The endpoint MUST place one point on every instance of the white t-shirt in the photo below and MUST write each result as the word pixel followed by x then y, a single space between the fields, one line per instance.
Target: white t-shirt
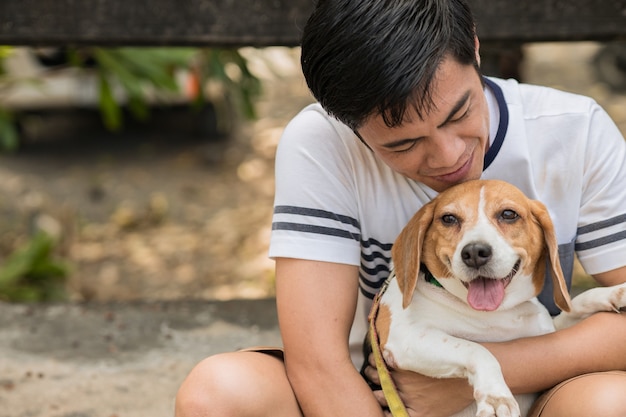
pixel 337 202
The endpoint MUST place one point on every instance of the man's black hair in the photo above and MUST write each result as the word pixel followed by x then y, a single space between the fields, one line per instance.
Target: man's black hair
pixel 367 57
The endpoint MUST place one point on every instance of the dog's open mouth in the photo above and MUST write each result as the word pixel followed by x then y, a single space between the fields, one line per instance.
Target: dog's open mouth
pixel 486 294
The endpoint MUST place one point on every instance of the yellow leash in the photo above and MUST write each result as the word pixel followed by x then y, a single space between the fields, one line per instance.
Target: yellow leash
pixel 396 406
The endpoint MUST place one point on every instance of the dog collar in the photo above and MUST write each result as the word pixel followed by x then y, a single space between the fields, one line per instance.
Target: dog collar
pixel 430 277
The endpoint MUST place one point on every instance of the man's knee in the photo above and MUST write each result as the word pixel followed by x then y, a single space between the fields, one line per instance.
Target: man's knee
pixel 207 388
pixel 606 396
pixel 600 394
pixel 235 384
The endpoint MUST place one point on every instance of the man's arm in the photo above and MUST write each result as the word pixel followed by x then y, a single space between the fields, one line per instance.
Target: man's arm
pixel 316 306
pixel 614 277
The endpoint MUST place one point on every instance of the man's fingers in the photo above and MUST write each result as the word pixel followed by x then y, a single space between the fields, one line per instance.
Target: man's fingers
pixel 380 397
pixel 371 360
pixel 372 375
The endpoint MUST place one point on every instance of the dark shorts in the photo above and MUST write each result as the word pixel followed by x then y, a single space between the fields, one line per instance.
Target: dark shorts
pixel 274 351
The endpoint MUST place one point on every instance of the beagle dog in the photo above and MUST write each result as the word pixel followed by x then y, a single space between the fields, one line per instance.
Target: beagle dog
pixel 467 268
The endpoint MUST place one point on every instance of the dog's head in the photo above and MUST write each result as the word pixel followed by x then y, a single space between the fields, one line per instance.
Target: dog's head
pixel 485 242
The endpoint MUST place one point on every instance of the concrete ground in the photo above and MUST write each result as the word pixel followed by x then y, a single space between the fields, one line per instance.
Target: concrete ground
pixel 116 360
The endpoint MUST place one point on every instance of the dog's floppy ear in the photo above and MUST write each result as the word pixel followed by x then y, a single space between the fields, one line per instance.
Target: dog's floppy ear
pixel 407 252
pixel 561 295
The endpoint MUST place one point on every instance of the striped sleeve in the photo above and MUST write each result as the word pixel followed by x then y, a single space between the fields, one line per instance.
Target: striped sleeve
pixel 314 234
pixel 601 234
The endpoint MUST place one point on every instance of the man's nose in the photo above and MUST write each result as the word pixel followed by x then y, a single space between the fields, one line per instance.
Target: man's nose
pixel 444 150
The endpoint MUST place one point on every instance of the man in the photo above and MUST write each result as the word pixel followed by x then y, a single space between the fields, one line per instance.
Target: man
pixel 404 114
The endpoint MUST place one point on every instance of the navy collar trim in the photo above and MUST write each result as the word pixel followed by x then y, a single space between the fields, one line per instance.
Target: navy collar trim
pixel 503 125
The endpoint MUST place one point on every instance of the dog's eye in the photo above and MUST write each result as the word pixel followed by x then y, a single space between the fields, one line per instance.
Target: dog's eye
pixel 449 219
pixel 509 215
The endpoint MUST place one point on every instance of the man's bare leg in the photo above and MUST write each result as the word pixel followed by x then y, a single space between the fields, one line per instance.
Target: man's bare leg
pixel 597 394
pixel 237 384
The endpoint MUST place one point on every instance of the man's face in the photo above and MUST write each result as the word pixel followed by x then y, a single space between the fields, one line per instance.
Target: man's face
pixel 449 145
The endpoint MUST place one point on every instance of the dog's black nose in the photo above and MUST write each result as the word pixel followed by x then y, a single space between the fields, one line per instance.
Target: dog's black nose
pixel 476 254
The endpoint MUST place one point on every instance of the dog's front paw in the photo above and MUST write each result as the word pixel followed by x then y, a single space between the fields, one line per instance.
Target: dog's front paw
pixel 600 299
pixel 593 301
pixel 617 297
pixel 499 403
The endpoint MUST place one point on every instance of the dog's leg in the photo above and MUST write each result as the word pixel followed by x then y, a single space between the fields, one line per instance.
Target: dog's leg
pixel 444 356
pixel 593 301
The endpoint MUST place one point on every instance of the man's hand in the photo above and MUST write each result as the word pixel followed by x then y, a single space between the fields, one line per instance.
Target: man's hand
pixel 424 396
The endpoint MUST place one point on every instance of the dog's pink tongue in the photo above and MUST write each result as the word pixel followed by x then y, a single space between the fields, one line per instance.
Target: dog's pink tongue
pixel 485 294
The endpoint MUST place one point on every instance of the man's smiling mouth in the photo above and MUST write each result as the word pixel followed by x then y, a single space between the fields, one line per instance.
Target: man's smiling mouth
pixel 458 175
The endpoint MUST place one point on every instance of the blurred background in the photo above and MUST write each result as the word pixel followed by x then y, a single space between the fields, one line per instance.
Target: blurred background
pixel 147 173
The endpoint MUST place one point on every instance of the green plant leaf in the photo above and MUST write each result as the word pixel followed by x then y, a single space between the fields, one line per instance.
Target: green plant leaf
pixel 113 64
pixel 138 108
pixel 155 65
pixel 31 274
pixel 5 51
pixel 20 293
pixel 109 109
pixel 21 261
pixel 140 72
pixel 9 138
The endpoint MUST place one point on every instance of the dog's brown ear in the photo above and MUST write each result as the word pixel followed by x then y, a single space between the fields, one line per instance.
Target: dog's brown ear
pixel 561 295
pixel 407 252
